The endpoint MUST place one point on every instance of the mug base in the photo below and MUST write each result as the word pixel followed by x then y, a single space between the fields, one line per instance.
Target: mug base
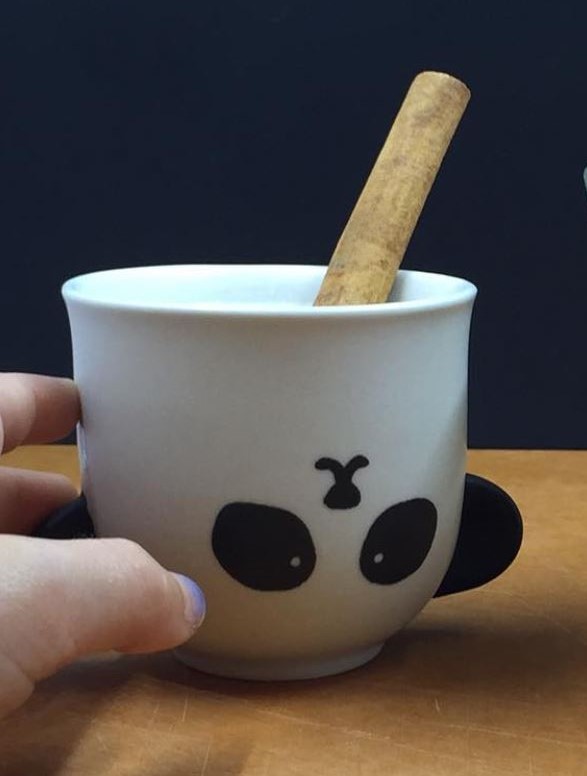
pixel 278 669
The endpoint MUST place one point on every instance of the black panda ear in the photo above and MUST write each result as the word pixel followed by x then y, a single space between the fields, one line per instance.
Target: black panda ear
pixel 489 538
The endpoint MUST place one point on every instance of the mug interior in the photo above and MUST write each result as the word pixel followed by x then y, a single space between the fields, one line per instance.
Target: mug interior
pixel 252 289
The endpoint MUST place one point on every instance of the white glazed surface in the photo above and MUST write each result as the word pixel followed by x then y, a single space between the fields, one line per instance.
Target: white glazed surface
pixel 204 385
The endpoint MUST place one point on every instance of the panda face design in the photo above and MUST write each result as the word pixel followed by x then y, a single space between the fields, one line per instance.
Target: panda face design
pixel 267 548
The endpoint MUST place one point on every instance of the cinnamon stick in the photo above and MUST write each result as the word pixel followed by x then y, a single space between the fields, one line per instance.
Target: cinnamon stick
pixel 366 259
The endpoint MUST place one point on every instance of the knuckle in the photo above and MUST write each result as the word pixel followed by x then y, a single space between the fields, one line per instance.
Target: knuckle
pixel 138 563
pixel 63 481
pixel 135 557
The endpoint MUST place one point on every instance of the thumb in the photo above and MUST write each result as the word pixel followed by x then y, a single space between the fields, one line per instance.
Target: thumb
pixel 60 600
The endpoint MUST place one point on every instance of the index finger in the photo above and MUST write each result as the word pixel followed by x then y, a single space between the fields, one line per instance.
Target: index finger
pixel 35 409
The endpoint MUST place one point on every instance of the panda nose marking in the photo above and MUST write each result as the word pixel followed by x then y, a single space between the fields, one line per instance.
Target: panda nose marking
pixel 344 494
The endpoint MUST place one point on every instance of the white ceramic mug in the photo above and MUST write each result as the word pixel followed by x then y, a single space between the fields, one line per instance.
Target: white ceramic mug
pixel 306 465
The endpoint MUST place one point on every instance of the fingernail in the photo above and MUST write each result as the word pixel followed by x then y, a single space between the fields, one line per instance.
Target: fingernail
pixel 194 601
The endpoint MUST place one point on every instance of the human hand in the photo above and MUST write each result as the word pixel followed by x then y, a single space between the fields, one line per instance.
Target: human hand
pixel 60 600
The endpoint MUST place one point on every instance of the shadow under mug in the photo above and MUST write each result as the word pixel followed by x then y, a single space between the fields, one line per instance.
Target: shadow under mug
pixel 306 465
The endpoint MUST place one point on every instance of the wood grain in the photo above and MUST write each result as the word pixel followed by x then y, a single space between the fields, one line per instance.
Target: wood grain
pixel 366 259
pixel 490 682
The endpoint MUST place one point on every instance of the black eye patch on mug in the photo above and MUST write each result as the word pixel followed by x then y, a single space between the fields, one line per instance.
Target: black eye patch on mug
pixel 262 547
pixel 398 541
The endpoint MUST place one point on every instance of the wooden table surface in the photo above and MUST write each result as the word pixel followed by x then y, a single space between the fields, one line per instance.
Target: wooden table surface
pixel 493 681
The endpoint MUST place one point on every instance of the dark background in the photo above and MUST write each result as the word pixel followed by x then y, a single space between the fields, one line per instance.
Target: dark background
pixel 140 132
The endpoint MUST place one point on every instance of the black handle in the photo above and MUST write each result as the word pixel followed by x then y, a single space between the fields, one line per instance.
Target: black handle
pixel 72 521
pixel 489 538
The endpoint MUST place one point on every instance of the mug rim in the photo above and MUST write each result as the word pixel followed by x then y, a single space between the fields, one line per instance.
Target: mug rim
pixel 81 289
